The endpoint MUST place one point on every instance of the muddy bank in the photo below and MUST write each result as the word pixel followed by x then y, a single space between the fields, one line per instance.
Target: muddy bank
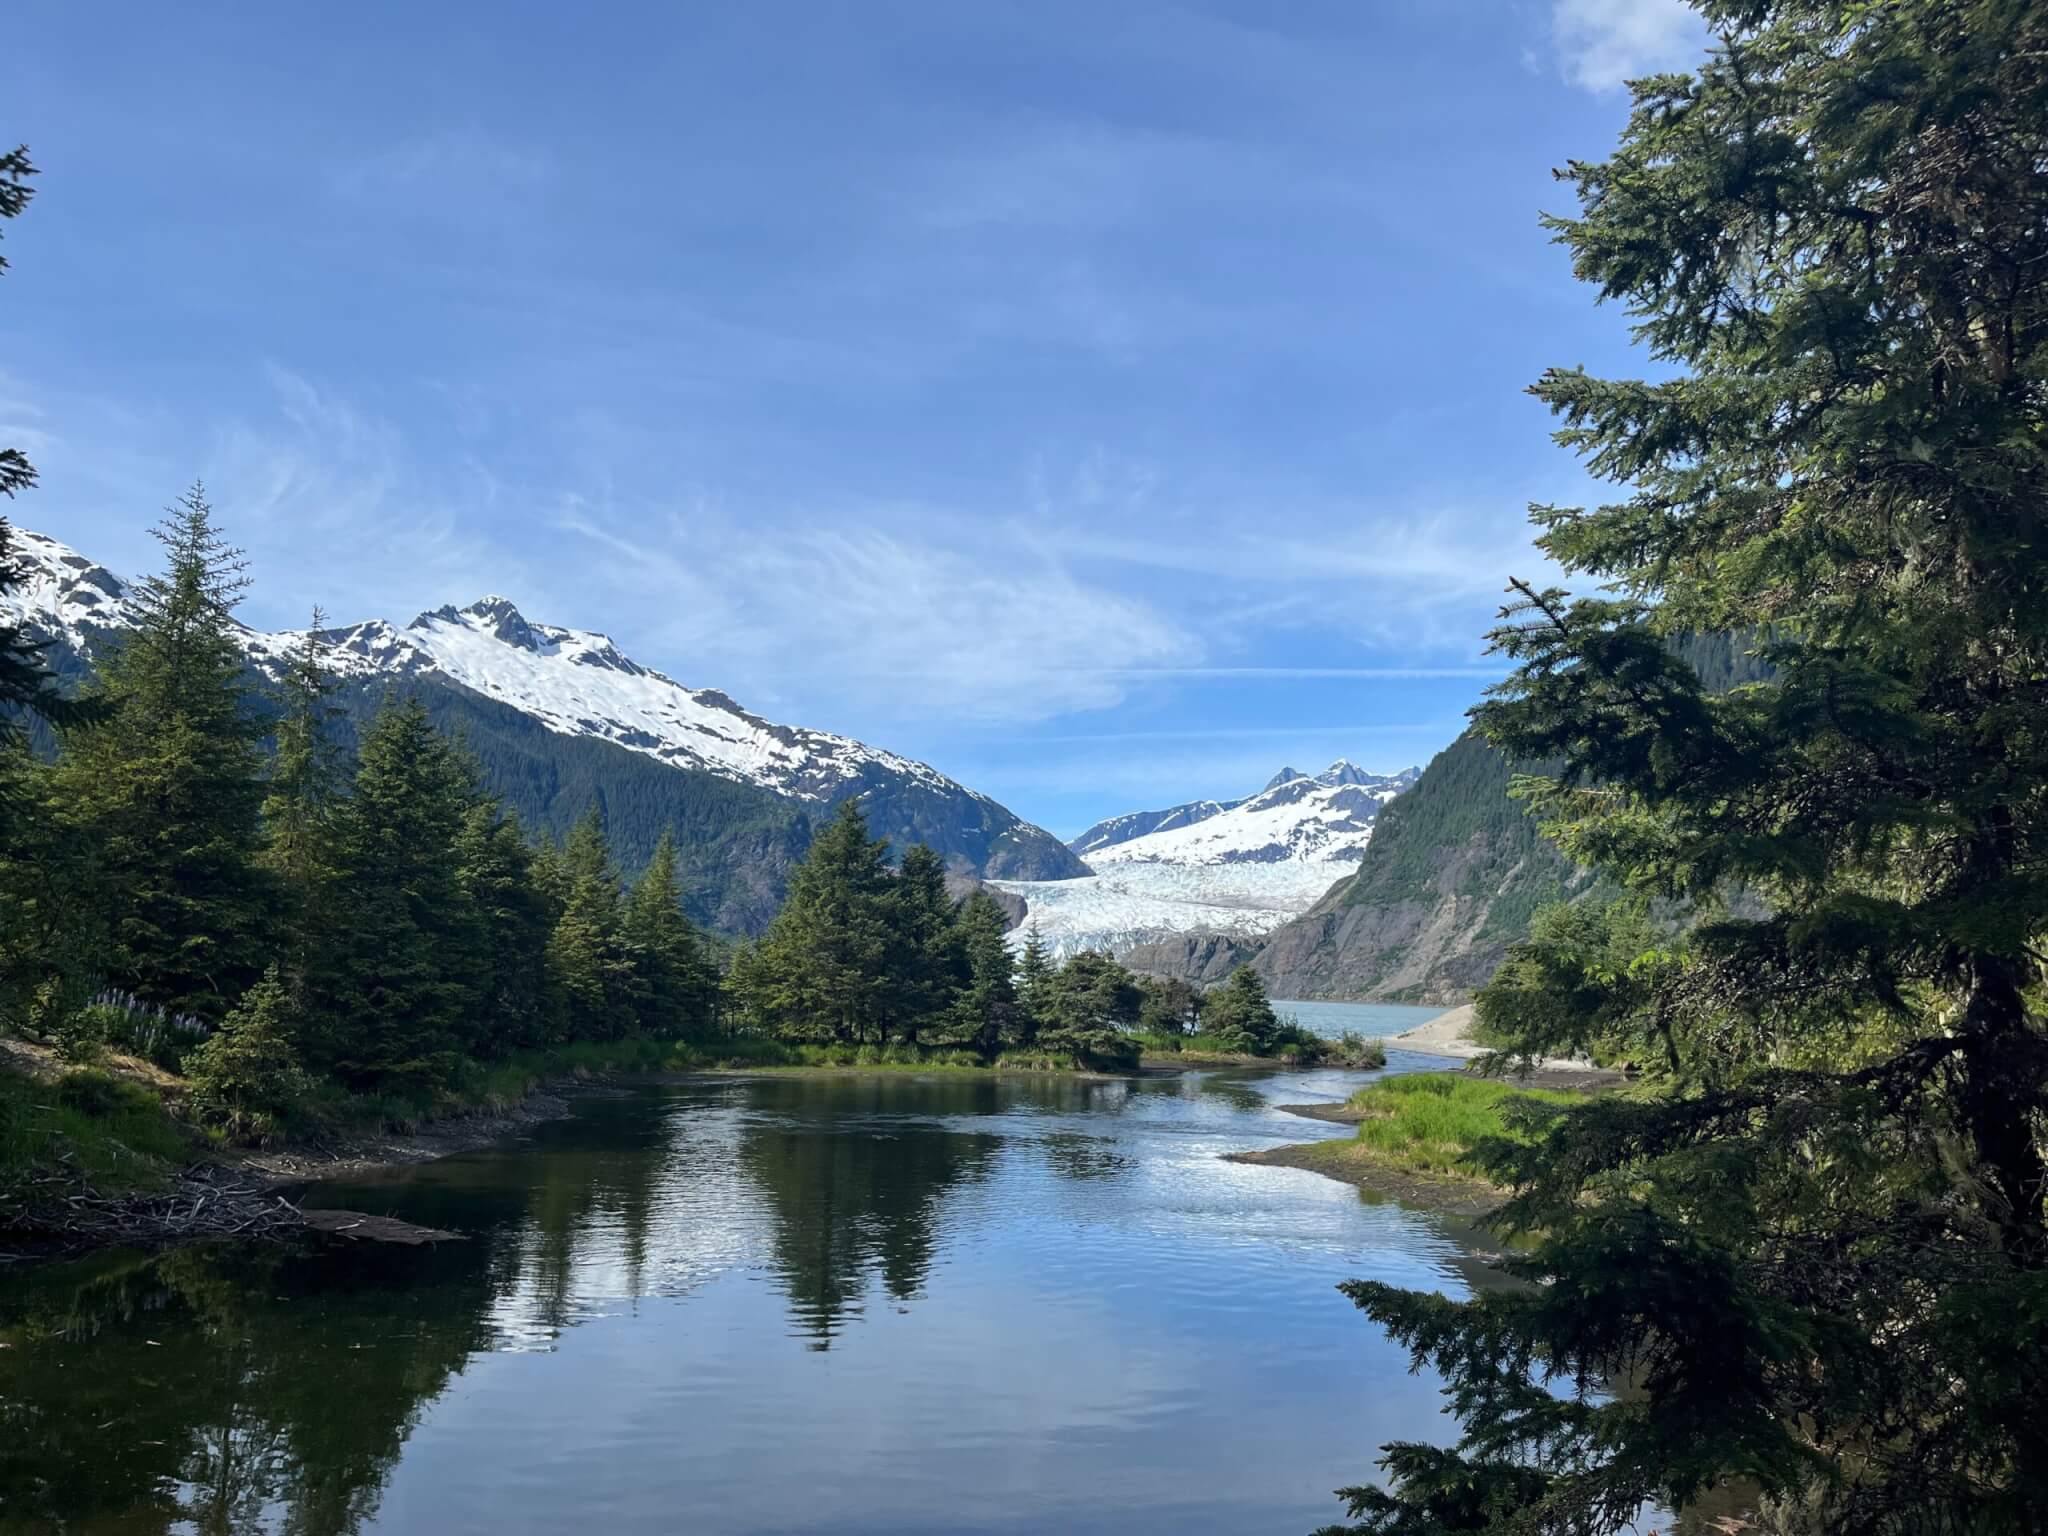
pixel 1344 1159
pixel 351 1157
pixel 240 1194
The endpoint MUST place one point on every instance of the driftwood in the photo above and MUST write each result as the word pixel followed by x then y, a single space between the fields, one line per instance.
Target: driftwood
pixel 58 1210
pixel 376 1229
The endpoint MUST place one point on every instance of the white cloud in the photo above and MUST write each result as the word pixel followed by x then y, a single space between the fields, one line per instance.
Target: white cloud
pixel 1603 43
pixel 895 625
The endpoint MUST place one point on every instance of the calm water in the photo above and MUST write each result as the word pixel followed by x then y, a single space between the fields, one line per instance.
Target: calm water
pixel 774 1305
pixel 1373 1020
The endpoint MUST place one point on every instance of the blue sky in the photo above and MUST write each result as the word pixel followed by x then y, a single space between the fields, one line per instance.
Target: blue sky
pixel 1105 402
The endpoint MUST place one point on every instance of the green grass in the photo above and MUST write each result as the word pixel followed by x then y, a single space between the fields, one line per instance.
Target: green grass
pixel 1301 1049
pixel 114 1134
pixel 1431 1121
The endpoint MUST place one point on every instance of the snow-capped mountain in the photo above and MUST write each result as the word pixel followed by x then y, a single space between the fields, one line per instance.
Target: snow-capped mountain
pixel 1121 829
pixel 1238 868
pixel 578 684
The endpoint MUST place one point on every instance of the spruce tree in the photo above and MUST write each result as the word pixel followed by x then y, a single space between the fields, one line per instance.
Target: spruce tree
pixel 245 1077
pixel 1241 1015
pixel 501 878
pixel 1089 1005
pixel 1035 972
pixel 927 967
pixel 305 784
pixel 588 953
pixel 676 978
pixel 26 687
pixel 986 1010
pixel 400 985
pixel 821 970
pixel 168 783
pixel 1813 1264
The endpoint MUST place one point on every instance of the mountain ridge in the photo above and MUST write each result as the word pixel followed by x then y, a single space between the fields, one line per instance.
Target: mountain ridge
pixel 485 667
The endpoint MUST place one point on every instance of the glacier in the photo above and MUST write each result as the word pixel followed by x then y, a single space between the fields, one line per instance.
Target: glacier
pixel 1236 868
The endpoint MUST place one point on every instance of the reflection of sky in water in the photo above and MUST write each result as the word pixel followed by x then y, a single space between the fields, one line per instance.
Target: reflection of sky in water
pixel 877 1304
pixel 1115 1329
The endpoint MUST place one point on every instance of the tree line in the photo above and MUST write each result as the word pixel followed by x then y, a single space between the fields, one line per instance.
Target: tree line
pixel 210 856
pixel 864 956
pixel 200 870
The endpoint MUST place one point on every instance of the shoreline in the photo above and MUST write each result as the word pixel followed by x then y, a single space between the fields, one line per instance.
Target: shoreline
pixel 1343 1158
pixel 235 1193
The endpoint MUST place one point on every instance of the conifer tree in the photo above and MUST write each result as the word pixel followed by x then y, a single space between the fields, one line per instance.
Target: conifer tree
pixel 1035 972
pixel 1815 1263
pixel 927 967
pixel 169 782
pixel 676 979
pixel 821 970
pixel 400 984
pixel 1089 1004
pixel 246 1076
pixel 501 878
pixel 1241 1015
pixel 304 786
pixel 26 687
pixel 588 953
pixel 986 1008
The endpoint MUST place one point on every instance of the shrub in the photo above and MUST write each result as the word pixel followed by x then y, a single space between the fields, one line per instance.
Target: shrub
pixel 245 1076
pixel 82 1035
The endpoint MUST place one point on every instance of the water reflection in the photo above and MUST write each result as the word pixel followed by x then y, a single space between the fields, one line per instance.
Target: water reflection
pixel 231 1389
pixel 855 1180
pixel 1115 1301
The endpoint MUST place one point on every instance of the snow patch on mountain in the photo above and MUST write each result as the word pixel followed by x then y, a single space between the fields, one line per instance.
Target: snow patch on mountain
pixel 1236 867
pixel 575 682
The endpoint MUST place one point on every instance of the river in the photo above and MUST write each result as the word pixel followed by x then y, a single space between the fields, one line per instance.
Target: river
pixel 889 1303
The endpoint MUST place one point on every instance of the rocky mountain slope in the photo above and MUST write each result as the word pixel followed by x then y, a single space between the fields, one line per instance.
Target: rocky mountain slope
pixel 560 718
pixel 1455 873
pixel 1212 870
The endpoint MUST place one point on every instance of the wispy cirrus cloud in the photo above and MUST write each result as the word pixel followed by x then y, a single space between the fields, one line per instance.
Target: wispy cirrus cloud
pixel 900 625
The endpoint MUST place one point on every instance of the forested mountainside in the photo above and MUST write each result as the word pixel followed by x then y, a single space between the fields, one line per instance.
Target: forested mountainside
pixel 1453 875
pixel 559 721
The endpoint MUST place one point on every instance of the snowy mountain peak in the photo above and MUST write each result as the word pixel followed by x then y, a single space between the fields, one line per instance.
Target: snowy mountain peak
pixel 503 620
pixel 574 682
pixel 1284 776
pixel 63 591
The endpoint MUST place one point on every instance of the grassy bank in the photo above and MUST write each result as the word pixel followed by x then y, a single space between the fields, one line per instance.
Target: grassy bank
pixel 495 1084
pixel 1429 1122
pixel 87 1127
pixel 1416 1134
pixel 1298 1049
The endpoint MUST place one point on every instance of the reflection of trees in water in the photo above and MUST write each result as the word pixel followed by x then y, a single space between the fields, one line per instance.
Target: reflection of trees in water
pixel 224 1390
pixel 230 1389
pixel 854 1201
pixel 239 1389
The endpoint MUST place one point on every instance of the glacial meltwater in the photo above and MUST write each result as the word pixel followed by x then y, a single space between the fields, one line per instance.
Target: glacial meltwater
pixel 889 1303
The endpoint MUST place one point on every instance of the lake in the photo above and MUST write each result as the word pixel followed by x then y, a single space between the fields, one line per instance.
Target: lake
pixel 777 1304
